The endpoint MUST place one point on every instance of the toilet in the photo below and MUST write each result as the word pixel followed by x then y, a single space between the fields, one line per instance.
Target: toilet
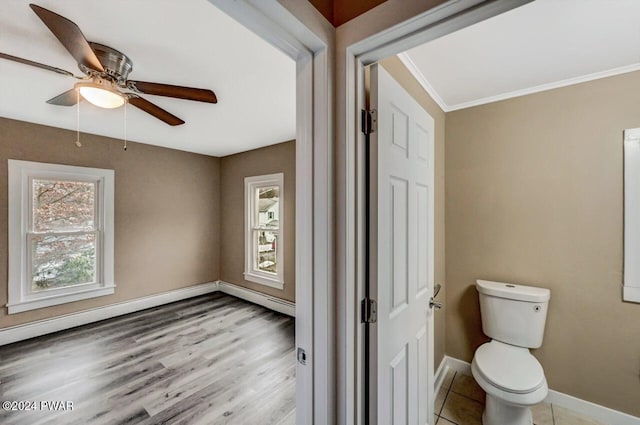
pixel 513 316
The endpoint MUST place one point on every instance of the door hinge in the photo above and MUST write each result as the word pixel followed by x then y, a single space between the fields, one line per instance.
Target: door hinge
pixel 369 311
pixel 302 356
pixel 369 121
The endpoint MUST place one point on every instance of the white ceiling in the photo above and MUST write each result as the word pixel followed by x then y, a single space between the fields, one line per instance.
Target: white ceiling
pixel 538 46
pixel 187 42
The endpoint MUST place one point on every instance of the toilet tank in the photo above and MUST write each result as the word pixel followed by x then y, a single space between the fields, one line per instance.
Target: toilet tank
pixel 513 314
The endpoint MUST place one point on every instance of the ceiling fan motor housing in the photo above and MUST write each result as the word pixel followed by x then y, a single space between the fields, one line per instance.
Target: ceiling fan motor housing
pixel 116 64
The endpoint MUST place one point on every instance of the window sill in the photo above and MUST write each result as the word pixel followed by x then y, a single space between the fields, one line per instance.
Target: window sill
pixel 42 302
pixel 262 280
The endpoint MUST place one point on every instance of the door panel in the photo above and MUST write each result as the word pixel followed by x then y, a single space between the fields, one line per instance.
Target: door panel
pixel 398 250
pixel 400 129
pixel 399 369
pixel 422 201
pixel 423 144
pixel 401 253
pixel 422 356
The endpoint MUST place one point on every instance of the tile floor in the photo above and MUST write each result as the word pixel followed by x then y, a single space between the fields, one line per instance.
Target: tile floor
pixel 460 401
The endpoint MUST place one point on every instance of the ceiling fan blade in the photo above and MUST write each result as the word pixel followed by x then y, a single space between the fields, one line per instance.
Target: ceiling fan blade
pixel 188 93
pixel 68 98
pixel 70 36
pixel 36 64
pixel 154 110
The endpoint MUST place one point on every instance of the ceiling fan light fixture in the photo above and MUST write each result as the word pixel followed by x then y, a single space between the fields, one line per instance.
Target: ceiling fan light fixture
pixel 101 95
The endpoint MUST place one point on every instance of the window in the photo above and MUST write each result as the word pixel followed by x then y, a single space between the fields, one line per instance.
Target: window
pixel 631 288
pixel 263 229
pixel 60 234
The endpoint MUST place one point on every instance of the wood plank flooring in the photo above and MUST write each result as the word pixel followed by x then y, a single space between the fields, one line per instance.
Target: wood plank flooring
pixel 208 360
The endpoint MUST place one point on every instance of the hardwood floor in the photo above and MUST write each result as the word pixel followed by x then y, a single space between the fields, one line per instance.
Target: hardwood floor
pixel 208 360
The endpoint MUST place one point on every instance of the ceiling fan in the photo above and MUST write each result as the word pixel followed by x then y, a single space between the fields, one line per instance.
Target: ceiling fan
pixel 105 82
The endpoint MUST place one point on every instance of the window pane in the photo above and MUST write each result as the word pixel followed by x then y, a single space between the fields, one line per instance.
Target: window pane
pixel 63 205
pixel 58 261
pixel 269 206
pixel 266 255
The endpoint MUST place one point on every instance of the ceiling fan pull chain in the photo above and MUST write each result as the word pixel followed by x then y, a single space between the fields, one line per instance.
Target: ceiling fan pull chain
pixel 78 144
pixel 125 125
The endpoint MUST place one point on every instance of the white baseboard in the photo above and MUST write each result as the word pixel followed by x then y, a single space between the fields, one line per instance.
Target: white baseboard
pixel 67 321
pixel 440 374
pixel 595 411
pixel 458 365
pixel 273 303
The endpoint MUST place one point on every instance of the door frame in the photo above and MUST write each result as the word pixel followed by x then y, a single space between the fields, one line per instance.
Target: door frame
pixel 329 270
pixel 434 23
pixel 312 51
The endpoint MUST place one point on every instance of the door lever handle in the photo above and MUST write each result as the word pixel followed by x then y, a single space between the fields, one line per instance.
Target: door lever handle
pixel 433 303
pixel 436 290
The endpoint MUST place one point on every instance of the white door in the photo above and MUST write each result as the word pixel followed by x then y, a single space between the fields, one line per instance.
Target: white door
pixel 401 254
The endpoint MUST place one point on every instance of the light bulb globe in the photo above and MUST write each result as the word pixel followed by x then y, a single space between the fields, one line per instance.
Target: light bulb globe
pixel 100 95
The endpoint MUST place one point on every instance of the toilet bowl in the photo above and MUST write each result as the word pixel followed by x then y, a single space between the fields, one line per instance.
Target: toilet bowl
pixel 513 380
pixel 514 317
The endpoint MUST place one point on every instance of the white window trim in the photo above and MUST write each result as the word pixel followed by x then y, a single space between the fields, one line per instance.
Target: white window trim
pixel 250 274
pixel 631 285
pixel 20 175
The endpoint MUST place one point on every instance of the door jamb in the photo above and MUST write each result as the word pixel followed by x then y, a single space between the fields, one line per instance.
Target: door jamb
pixel 432 24
pixel 314 197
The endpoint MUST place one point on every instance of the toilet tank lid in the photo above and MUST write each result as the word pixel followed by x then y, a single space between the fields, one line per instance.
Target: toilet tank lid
pixel 513 292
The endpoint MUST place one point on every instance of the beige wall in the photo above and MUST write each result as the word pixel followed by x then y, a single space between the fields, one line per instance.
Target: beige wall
pixel 280 158
pixel 167 214
pixel 400 73
pixel 534 197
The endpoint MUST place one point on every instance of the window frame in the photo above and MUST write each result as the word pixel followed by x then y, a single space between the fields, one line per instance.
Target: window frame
pixel 21 175
pixel 251 214
pixel 631 282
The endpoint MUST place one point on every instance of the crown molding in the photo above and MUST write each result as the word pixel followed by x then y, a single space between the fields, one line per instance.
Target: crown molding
pixel 418 75
pixel 415 71
pixel 549 86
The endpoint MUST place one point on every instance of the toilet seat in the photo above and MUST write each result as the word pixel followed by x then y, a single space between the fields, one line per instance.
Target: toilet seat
pixel 509 368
